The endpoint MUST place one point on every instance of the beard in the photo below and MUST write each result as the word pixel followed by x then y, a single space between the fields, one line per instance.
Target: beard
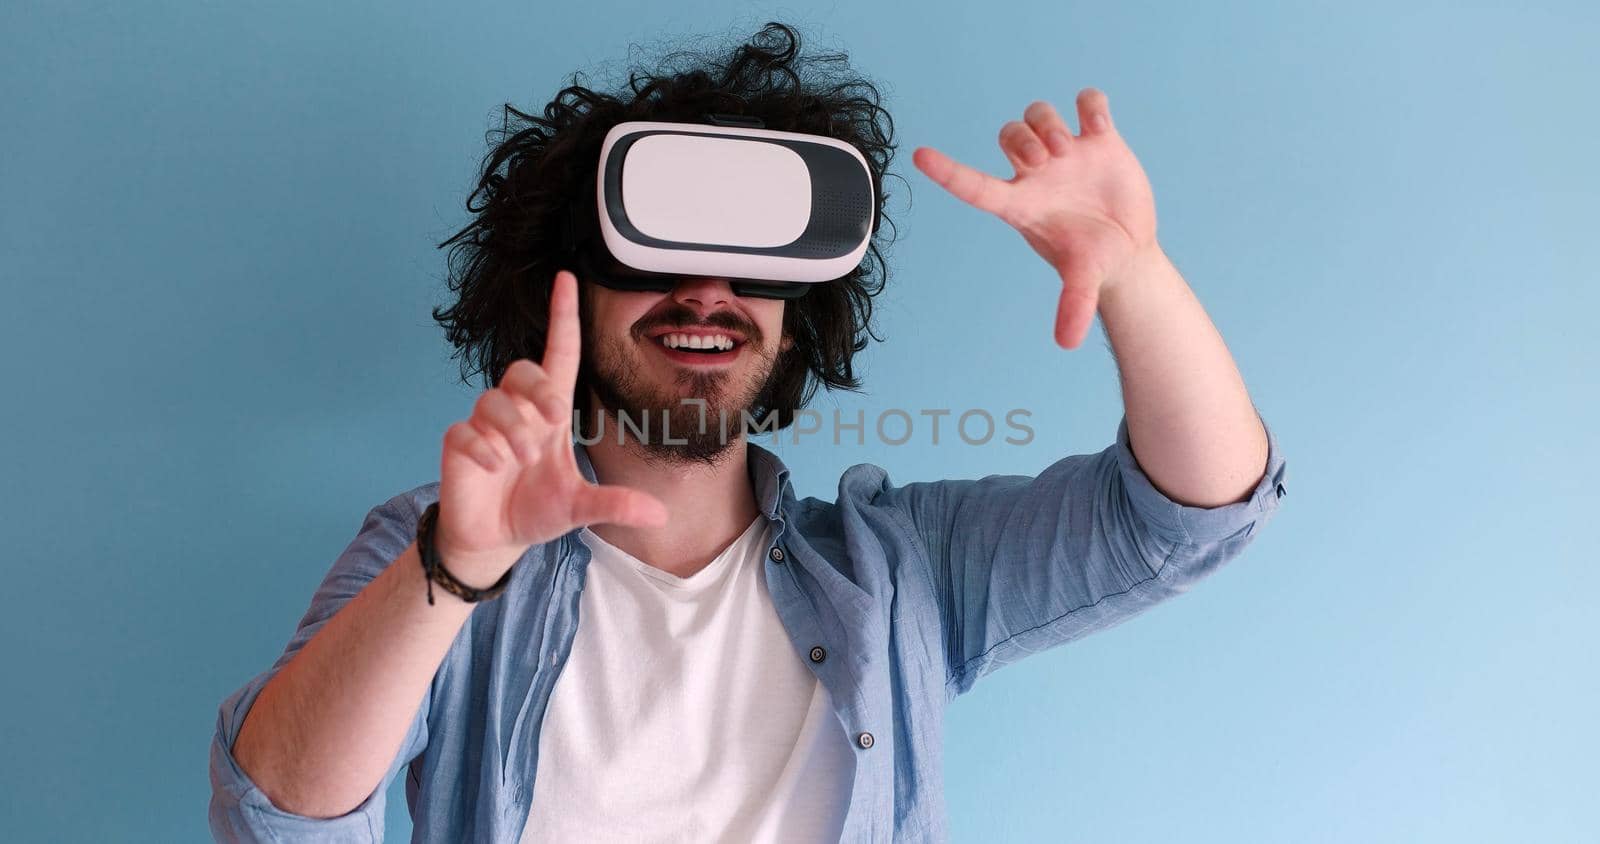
pixel 668 424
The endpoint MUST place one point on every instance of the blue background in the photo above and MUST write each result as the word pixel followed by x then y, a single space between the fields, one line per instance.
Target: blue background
pixel 217 256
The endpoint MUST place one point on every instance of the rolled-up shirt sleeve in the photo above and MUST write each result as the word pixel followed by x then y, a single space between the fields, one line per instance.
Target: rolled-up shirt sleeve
pixel 1020 564
pixel 239 809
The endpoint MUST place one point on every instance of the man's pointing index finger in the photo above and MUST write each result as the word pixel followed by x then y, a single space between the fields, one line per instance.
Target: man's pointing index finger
pixel 563 341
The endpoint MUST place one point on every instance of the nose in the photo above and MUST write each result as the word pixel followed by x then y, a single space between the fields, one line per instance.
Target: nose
pixel 705 294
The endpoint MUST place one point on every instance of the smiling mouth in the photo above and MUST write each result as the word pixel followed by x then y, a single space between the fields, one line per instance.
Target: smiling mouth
pixel 700 344
pixel 701 348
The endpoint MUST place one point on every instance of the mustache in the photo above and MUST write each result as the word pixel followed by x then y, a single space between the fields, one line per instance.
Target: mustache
pixel 680 316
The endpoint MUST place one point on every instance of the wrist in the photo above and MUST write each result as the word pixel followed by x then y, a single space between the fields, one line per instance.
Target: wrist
pixel 1142 268
pixel 458 576
pixel 478 571
pixel 418 581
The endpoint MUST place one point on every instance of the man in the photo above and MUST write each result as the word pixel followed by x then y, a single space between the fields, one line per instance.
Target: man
pixel 646 638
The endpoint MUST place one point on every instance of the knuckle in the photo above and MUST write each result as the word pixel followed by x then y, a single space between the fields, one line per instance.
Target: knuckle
pixel 481 428
pixel 519 372
pixel 509 398
pixel 527 410
pixel 527 446
pixel 547 397
pixel 496 408
pixel 528 378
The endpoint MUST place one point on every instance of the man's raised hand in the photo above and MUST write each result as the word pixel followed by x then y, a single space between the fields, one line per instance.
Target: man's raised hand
pixel 1082 202
pixel 508 478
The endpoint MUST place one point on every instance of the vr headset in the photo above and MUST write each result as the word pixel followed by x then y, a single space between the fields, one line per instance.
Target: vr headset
pixel 772 212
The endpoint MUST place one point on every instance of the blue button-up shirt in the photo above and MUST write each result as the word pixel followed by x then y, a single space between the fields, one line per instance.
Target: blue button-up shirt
pixel 915 592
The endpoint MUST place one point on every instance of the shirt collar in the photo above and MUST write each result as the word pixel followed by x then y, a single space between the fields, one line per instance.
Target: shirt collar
pixel 769 477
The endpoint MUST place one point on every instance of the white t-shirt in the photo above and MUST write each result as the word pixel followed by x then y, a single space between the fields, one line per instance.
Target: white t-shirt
pixel 684 712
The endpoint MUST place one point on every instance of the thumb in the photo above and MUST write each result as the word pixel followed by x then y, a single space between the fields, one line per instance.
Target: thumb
pixel 617 505
pixel 1080 295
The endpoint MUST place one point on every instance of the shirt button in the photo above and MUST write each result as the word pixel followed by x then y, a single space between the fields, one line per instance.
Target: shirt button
pixel 818 654
pixel 776 554
pixel 865 740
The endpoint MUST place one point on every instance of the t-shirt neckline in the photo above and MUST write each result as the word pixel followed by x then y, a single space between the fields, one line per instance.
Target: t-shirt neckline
pixel 724 560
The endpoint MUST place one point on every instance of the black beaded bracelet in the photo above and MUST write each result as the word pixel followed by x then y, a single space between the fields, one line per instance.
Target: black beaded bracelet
pixel 434 569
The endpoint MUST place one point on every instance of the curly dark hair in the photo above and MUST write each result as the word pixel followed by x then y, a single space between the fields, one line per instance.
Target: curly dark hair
pixel 503 263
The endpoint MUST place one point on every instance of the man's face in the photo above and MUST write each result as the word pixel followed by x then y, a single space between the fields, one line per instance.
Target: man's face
pixel 648 351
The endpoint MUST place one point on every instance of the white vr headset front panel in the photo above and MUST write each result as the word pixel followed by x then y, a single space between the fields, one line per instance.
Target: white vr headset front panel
pixel 733 192
pixel 735 202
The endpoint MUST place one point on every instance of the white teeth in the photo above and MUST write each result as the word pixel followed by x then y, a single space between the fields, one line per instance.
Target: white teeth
pixel 721 342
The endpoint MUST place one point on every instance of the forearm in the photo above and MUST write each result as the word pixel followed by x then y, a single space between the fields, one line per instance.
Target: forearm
pixel 1190 419
pixel 324 730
